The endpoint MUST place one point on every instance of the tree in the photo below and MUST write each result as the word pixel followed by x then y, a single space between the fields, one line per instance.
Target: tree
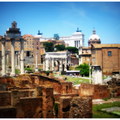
pixel 49 46
pixel 60 47
pixel 56 37
pixel 72 49
pixel 84 69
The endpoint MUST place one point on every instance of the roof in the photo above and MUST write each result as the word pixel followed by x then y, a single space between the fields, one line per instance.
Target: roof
pixel 105 45
pixel 27 35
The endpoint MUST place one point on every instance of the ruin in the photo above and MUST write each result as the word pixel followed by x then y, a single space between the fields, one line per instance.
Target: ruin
pixel 40 95
pixel 12 35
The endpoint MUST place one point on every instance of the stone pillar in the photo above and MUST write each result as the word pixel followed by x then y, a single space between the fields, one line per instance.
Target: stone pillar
pixel 36 65
pixel 46 64
pixel 3 58
pixel 22 57
pixel 65 66
pixel 97 75
pixel 13 57
pixel 60 69
pixel 52 64
pixel 48 102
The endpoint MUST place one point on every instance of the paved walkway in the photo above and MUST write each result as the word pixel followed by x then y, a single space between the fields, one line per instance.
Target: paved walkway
pixel 101 101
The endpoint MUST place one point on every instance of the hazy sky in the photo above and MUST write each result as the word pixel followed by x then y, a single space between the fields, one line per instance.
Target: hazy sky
pixel 63 18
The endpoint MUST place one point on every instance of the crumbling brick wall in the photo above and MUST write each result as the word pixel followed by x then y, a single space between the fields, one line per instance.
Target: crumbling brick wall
pixel 86 90
pixel 64 107
pixel 81 107
pixel 101 91
pixel 5 98
pixel 75 107
pixel 29 108
pixel 96 91
pixel 7 112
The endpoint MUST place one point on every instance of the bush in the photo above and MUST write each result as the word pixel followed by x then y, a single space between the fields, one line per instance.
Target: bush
pixel 84 69
pixel 29 69
pixel 17 71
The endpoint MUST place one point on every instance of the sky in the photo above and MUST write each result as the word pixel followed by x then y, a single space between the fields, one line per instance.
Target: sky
pixel 63 18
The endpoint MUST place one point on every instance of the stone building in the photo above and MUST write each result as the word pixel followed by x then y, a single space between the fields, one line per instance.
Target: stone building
pixel 94 39
pixel 85 55
pixel 76 40
pixel 107 56
pixel 85 52
pixel 57 61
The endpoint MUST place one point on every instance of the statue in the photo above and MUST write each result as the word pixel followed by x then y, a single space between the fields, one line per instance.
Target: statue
pixel 14 24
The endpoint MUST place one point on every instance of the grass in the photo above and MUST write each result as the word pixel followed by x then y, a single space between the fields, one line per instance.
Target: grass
pixel 76 80
pixel 97 113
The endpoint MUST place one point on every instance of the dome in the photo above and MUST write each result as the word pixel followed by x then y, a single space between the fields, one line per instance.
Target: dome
pixel 94 38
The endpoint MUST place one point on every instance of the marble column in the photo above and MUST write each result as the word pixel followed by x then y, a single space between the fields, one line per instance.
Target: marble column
pixel 60 67
pixel 13 57
pixel 36 65
pixel 3 59
pixel 65 65
pixel 22 57
pixel 46 64
pixel 52 64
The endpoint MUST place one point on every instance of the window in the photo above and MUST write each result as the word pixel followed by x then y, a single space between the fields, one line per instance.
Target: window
pixel 109 53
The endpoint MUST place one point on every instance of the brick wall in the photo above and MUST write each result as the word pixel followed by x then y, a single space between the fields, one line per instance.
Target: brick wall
pixel 29 108
pixel 5 98
pixel 96 91
pixel 81 107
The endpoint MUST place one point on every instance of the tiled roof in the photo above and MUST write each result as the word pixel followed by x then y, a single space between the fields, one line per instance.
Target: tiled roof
pixel 105 45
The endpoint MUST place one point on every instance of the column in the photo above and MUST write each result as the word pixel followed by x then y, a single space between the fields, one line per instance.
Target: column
pixel 52 64
pixel 36 65
pixel 46 64
pixel 3 58
pixel 65 66
pixel 13 57
pixel 22 57
pixel 60 67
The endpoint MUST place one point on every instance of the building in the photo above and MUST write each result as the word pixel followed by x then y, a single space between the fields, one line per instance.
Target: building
pixel 57 61
pixel 85 55
pixel 94 39
pixel 107 56
pixel 76 40
pixel 85 52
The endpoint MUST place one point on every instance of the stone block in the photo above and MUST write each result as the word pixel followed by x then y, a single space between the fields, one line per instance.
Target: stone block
pixel 81 107
pixel 7 112
pixel 29 107
pixel 5 98
pixel 64 107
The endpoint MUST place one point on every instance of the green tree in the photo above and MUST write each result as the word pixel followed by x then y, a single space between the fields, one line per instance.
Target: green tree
pixel 72 49
pixel 60 47
pixel 49 46
pixel 84 69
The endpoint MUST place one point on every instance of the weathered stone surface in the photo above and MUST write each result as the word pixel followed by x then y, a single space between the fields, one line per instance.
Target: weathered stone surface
pixel 7 112
pixel 96 91
pixel 48 102
pixel 5 98
pixel 81 107
pixel 29 108
pixel 64 107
